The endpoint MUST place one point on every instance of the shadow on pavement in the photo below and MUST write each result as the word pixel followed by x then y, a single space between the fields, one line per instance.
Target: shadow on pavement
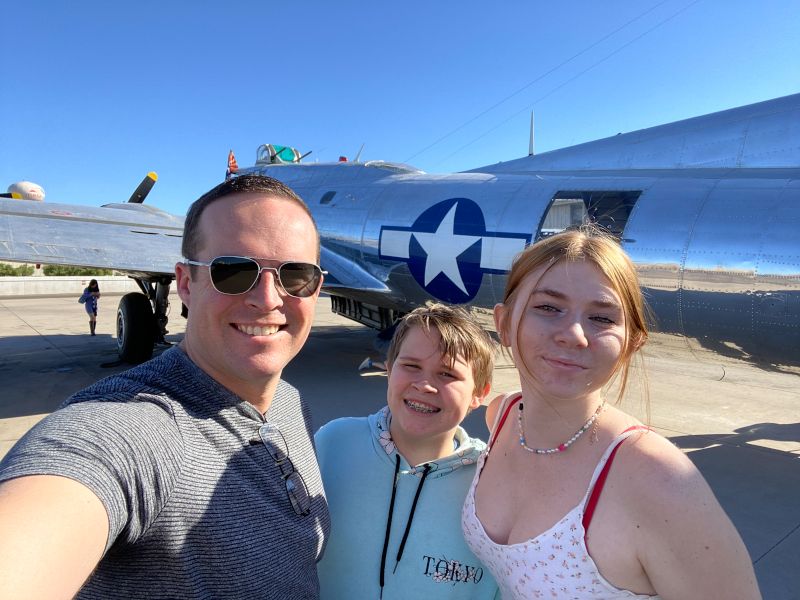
pixel 759 488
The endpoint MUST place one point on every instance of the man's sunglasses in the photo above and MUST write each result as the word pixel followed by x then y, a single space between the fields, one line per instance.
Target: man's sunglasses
pixel 278 449
pixel 233 275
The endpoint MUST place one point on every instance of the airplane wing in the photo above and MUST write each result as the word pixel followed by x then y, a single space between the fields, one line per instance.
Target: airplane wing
pixel 133 238
pixel 345 275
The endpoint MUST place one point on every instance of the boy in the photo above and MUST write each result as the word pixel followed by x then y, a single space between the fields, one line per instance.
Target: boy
pixel 396 480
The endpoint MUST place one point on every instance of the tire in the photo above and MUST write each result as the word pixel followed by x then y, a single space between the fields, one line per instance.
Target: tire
pixel 136 328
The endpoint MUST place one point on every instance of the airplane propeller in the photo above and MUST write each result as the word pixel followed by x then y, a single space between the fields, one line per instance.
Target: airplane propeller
pixel 140 193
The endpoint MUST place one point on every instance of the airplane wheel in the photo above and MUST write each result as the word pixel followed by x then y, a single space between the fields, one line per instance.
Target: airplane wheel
pixel 136 328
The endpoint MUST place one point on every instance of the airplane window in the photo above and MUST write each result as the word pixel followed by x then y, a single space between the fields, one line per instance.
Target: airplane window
pixel 608 208
pixel 327 197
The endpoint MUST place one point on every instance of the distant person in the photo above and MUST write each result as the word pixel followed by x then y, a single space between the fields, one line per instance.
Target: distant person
pixel 574 498
pixel 192 475
pixel 90 296
pixel 396 480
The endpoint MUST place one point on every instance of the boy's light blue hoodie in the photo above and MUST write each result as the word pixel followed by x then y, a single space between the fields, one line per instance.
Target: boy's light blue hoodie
pixel 359 465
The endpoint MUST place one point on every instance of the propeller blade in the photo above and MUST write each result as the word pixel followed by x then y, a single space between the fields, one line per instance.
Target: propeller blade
pixel 140 193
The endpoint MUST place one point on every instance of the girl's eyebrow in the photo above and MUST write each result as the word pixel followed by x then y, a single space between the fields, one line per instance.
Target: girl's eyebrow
pixel 604 301
pixel 549 292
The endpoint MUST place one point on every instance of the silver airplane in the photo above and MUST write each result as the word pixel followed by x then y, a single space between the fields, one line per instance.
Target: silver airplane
pixel 708 208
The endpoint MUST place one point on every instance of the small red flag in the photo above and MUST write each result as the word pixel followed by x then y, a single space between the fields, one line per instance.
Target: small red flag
pixel 232 166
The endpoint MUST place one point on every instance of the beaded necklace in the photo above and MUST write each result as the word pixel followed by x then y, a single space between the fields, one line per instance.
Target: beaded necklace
pixel 560 447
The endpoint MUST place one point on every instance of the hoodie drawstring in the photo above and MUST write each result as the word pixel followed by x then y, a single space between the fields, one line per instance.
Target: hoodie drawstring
pixel 425 472
pixel 389 522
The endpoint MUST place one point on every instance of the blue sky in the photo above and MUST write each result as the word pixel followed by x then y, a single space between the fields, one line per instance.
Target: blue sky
pixel 96 93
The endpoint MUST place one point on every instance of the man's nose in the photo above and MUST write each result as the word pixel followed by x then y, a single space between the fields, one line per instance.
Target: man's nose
pixel 266 292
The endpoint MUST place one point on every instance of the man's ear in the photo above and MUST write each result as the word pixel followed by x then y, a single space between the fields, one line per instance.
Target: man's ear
pixel 500 316
pixel 183 276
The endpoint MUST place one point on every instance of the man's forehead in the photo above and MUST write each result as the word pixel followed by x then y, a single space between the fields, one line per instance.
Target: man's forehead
pixel 242 216
pixel 268 209
pixel 251 198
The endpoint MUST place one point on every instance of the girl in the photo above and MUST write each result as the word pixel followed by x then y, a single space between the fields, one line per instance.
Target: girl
pixel 90 296
pixel 547 512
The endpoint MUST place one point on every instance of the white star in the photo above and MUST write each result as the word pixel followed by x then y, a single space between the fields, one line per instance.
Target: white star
pixel 443 248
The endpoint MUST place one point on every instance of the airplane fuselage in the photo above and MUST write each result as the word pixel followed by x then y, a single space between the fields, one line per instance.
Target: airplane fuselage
pixel 716 249
pixel 708 208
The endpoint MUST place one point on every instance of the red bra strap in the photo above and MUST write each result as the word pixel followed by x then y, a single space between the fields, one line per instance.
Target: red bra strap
pixel 594 497
pixel 503 420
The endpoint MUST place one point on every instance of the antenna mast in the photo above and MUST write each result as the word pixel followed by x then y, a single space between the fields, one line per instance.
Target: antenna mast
pixel 530 143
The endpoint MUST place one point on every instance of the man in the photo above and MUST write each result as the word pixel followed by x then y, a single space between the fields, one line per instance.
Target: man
pixel 192 475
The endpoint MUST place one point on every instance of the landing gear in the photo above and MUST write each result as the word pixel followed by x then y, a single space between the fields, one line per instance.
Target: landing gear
pixel 136 328
pixel 142 321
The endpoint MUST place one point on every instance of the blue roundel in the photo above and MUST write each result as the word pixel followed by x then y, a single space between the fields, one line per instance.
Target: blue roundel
pixel 445 250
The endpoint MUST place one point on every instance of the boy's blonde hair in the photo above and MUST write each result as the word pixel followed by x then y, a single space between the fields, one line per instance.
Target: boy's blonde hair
pixel 461 336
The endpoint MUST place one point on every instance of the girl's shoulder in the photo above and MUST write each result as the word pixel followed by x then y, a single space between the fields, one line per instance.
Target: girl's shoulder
pixel 657 473
pixel 670 505
pixel 495 406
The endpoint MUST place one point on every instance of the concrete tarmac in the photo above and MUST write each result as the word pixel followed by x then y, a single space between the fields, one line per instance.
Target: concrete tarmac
pixel 738 423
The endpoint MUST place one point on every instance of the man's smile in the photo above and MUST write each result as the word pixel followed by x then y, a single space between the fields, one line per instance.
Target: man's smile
pixel 257 330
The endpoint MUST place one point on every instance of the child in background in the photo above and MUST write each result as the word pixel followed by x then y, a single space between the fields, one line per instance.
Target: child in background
pixel 395 480
pixel 90 296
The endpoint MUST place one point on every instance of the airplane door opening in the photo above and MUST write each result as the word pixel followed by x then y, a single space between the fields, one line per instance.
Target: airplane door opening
pixel 571 208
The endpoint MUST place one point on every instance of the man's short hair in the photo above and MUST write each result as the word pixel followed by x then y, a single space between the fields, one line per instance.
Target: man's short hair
pixel 461 336
pixel 244 184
